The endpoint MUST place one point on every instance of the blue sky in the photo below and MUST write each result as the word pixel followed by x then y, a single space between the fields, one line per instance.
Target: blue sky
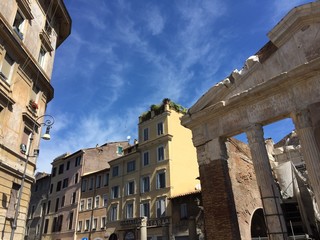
pixel 123 56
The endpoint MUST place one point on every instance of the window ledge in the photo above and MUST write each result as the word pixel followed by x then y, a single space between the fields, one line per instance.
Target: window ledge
pixel 24 6
pixel 45 39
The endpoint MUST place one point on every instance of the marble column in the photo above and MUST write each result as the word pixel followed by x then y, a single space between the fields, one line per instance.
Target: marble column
pixel 143 228
pixel 310 150
pixel 220 216
pixel 270 195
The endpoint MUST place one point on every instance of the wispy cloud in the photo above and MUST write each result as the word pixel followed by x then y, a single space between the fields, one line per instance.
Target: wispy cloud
pixel 155 20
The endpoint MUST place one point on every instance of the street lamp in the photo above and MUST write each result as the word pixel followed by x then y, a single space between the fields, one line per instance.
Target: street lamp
pixel 48 123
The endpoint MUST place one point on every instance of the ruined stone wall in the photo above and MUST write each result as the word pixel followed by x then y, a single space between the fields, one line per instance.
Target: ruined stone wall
pixel 244 185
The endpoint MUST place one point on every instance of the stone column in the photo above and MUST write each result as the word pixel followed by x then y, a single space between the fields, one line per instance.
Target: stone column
pixel 270 195
pixel 143 228
pixel 310 150
pixel 220 215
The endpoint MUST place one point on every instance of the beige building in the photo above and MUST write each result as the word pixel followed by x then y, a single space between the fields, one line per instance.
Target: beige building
pixel 30 33
pixel 65 188
pixel 92 212
pixel 160 166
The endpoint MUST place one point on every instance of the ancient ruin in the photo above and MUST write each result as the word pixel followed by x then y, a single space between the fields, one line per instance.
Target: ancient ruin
pixel 282 80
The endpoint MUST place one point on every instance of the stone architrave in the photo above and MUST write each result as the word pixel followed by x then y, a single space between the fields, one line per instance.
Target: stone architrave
pixel 270 195
pixel 310 150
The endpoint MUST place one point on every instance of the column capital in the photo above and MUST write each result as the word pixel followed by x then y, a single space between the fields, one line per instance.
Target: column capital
pixel 255 133
pixel 302 119
pixel 212 150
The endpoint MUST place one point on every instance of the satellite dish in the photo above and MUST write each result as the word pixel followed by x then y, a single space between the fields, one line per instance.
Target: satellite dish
pixel 128 138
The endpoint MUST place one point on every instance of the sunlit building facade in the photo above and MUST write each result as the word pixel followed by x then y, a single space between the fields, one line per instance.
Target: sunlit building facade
pixel 30 33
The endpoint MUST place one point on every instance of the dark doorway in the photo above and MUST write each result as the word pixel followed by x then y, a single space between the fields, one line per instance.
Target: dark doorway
pixel 258 224
pixel 113 236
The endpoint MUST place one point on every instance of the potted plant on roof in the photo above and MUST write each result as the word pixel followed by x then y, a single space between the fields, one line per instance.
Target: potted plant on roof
pixel 33 104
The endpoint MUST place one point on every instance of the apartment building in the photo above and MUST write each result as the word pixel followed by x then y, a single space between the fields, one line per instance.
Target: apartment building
pixel 37 206
pixel 93 205
pixel 30 33
pixel 65 187
pixel 162 165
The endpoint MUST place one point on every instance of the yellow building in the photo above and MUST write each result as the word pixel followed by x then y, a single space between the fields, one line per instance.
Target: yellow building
pixel 162 165
pixel 30 32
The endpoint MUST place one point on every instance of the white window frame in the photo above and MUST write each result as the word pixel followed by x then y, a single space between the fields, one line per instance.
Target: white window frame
pixel 19 30
pixel 87 223
pixel 89 202
pixel 105 200
pixel 160 128
pixel 163 153
pixel 79 226
pixel 128 187
pixel 113 212
pixel 82 204
pixel 42 57
pixel 161 205
pixel 143 189
pixel 94 224
pixel 145 157
pixel 103 222
pixel 145 134
pixel 11 63
pixel 113 195
pixel 97 201
pixel 129 210
pixel 160 173
pixel 142 209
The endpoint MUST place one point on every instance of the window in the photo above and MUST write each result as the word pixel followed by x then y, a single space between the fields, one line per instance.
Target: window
pixel 42 57
pixel 76 178
pixel 98 181
pixel 114 212
pixel 145 184
pixel 46 224
pixel 68 165
pixel 129 210
pixel 58 188
pixel 145 134
pixel 105 200
pixel 73 198
pixel 160 153
pixel 79 228
pixel 145 159
pixel 91 183
pixel 115 171
pixel 130 188
pixel 94 224
pixel 97 202
pixel 54 171
pixel 70 220
pixel 103 222
pixel 89 203
pixel 161 207
pixel 63 200
pixel 43 209
pixel 106 179
pixel 6 68
pixel 119 150
pixel 57 205
pixel 33 207
pixel 161 179
pixel 160 128
pixel 77 161
pixel 18 24
pixel 145 209
pixel 131 166
pixel 84 185
pixel 87 225
pixel 82 202
pixel 48 209
pixel 51 188
pixel 183 211
pixel 115 192
pixel 65 183
pixel 26 139
pixel 61 168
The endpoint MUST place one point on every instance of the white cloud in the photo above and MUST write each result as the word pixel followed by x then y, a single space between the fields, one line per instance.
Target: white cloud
pixel 155 20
